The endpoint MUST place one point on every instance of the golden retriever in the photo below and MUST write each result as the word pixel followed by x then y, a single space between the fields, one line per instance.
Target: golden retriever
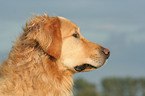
pixel 45 57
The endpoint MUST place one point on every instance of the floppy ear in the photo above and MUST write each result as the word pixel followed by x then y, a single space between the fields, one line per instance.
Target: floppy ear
pixel 49 37
pixel 56 44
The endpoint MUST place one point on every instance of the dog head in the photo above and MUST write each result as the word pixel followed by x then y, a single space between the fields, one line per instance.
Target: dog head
pixel 79 54
pixel 60 39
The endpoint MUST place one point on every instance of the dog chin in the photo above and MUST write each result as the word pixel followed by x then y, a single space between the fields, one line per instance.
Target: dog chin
pixel 96 62
pixel 89 66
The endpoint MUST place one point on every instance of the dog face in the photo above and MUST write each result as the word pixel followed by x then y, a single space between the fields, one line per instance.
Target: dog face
pixel 61 39
pixel 79 54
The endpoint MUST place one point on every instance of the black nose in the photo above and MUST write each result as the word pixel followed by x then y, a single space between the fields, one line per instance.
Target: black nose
pixel 106 52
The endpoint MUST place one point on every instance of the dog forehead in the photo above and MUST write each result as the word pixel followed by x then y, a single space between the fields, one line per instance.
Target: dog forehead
pixel 67 26
pixel 66 22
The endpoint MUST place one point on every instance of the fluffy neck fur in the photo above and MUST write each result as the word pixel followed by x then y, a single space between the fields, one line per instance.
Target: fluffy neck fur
pixel 29 72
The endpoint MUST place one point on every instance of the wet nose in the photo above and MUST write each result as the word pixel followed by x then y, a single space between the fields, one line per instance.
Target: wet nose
pixel 106 52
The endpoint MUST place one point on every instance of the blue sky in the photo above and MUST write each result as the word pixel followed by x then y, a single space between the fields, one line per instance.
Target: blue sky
pixel 118 25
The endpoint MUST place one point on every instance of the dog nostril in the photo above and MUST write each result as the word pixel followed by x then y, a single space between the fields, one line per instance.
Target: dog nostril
pixel 106 52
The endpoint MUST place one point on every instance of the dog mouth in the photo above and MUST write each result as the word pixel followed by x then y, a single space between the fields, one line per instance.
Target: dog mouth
pixel 84 67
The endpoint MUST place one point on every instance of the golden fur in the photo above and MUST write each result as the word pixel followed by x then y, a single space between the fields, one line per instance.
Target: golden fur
pixel 42 62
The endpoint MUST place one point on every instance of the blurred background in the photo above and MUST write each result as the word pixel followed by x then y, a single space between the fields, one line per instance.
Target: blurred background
pixel 118 25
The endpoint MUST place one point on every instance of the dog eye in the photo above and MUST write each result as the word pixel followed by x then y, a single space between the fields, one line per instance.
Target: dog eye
pixel 76 35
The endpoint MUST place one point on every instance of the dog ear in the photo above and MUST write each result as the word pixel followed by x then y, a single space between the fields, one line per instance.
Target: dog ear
pixel 49 37
pixel 54 49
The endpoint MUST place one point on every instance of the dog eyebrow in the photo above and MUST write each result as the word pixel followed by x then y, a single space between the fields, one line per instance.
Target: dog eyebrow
pixel 76 29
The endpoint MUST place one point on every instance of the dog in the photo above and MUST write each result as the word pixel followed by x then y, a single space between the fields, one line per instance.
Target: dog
pixel 46 56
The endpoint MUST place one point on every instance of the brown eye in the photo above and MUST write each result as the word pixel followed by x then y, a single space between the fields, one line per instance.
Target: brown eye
pixel 76 35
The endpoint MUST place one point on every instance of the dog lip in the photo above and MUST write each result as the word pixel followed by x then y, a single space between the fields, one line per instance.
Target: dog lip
pixel 83 67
